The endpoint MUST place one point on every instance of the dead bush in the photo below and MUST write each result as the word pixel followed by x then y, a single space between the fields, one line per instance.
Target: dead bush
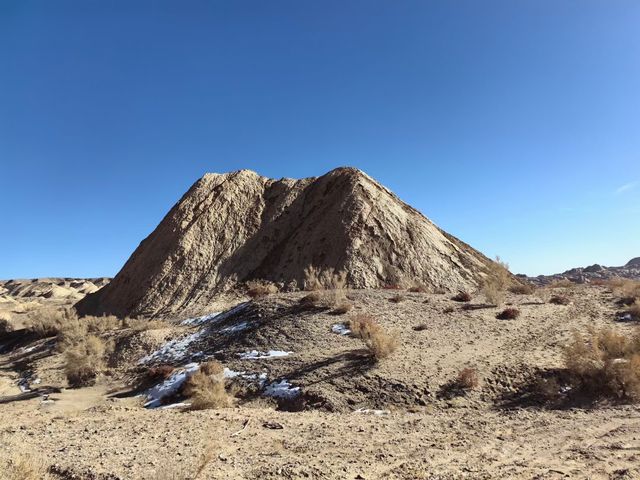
pixel 330 279
pixel 626 289
pixel 418 288
pixel 343 307
pixel 21 466
pixel 522 289
pixel 560 300
pixel 496 282
pixel 379 343
pixel 562 283
pixel 461 297
pixel 85 360
pixel 467 379
pixel 448 310
pixel 6 325
pixel 510 313
pixel 206 388
pixel 634 310
pixel 397 298
pixel 312 300
pixel 260 288
pixel 605 363
pixel 159 373
pixel 48 322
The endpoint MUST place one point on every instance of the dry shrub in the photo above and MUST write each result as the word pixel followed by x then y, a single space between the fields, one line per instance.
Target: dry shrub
pixel 634 310
pixel 562 283
pixel 560 300
pixel 509 313
pixel 397 298
pixel 461 297
pixel 6 325
pixel 343 307
pixel 50 321
pixel 467 379
pixel 260 288
pixel 312 300
pixel 330 279
pixel 21 466
pixel 628 290
pixel 418 288
pixel 159 373
pixel 206 387
pixel 605 363
pixel 85 360
pixel 379 343
pixel 439 291
pixel 496 282
pixel 522 289
pixel 448 310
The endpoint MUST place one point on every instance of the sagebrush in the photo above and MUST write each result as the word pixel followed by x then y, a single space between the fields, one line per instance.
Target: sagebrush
pixel 379 343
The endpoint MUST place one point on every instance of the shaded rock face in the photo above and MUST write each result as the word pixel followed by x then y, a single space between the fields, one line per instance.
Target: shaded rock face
pixel 234 227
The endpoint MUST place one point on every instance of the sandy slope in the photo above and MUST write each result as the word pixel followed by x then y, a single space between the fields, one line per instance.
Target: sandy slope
pixel 94 434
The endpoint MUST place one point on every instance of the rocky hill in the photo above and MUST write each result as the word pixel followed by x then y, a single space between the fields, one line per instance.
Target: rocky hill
pixel 593 272
pixel 234 227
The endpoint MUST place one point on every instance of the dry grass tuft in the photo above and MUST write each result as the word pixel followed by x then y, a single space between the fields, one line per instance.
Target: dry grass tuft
pixel 206 387
pixel 343 307
pixel 560 300
pixel 379 343
pixel 85 360
pixel 605 363
pixel 634 310
pixel 311 300
pixel 330 279
pixel 509 313
pixel 21 466
pixel 159 372
pixel 418 288
pixel 496 282
pixel 461 297
pixel 397 298
pixel 563 283
pixel 260 288
pixel 467 379
pixel 522 289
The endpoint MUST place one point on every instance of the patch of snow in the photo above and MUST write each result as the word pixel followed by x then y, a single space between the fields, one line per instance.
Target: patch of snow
pixel 370 411
pixel 235 328
pixel 254 354
pixel 174 350
pixel 281 389
pixel 625 318
pixel 170 386
pixel 174 405
pixel 340 329
pixel 200 320
pixel 29 349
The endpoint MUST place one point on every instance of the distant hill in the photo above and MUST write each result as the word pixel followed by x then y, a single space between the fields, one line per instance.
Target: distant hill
pixel 593 272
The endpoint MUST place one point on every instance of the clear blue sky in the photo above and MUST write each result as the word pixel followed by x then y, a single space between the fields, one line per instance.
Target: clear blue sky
pixel 514 125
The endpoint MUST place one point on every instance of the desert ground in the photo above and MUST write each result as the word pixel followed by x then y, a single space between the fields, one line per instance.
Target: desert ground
pixel 336 411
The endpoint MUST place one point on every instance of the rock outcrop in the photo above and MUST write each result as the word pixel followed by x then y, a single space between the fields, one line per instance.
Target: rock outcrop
pixel 234 227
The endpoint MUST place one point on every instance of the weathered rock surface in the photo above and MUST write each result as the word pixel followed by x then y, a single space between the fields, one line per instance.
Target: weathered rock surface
pixel 593 272
pixel 234 227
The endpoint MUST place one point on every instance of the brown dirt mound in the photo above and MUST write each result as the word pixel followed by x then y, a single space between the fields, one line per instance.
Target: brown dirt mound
pixel 239 226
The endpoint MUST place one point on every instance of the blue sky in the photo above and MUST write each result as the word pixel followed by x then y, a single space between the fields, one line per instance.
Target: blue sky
pixel 513 125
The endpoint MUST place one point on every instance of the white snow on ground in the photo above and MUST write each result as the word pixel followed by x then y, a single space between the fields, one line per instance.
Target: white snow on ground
pixel 281 389
pixel 29 349
pixel 200 320
pixel 372 412
pixel 340 329
pixel 215 317
pixel 254 354
pixel 626 317
pixel 178 349
pixel 235 328
pixel 170 386
pixel 174 405
pixel 173 350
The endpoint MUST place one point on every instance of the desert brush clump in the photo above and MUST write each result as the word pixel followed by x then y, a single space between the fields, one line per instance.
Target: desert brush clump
pixel 260 288
pixel 605 363
pixel 496 282
pixel 330 279
pixel 85 360
pixel 627 290
pixel 562 283
pixel 379 343
pixel 634 310
pixel 159 372
pixel 522 289
pixel 418 288
pixel 22 466
pixel 397 298
pixel 206 388
pixel 462 296
pixel 560 300
pixel 510 313
pixel 467 379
